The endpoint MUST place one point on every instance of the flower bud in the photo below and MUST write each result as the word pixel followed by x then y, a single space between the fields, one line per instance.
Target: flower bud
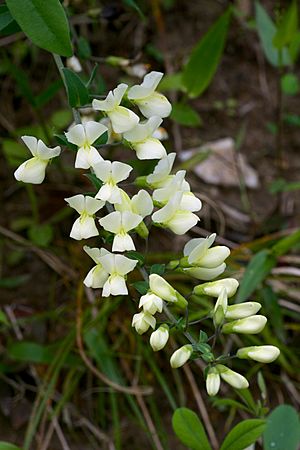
pixel 262 353
pixel 214 288
pixel 203 273
pixel 249 325
pixel 242 310
pixel 142 321
pixel 181 356
pixel 213 382
pixel 233 378
pixel 159 338
pixel 151 303
pixel 160 287
pixel 220 308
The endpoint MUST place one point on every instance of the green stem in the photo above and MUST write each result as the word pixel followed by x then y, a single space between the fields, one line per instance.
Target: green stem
pixel 33 203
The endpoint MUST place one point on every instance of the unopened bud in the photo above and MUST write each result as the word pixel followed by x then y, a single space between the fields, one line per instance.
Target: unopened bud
pixel 159 338
pixel 220 308
pixel 242 310
pixel 142 321
pixel 160 287
pixel 235 379
pixel 181 356
pixel 213 382
pixel 262 353
pixel 151 303
pixel 249 325
pixel 215 288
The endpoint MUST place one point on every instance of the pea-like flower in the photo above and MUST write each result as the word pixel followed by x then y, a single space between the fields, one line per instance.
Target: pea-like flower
pixel 161 288
pixel 142 141
pixel 161 174
pixel 242 310
pixel 207 263
pixel 117 267
pixel 231 377
pixel 159 337
pixel 261 353
pixel 120 223
pixel 249 325
pixel 34 169
pixel 214 288
pixel 173 217
pixel 181 356
pixel 151 303
pixel 84 227
pixel 213 381
pixel 142 321
pixel 122 119
pixel 111 173
pixel 140 204
pixel 84 136
pixel 97 276
pixel 150 102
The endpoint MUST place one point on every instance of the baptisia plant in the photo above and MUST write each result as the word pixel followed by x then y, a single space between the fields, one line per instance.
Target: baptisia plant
pixel 122 211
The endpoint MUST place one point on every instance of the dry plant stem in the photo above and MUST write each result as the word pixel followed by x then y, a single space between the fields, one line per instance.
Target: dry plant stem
pixel 117 387
pixel 201 407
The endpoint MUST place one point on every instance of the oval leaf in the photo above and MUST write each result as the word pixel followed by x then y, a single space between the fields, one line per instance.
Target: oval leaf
pixel 44 22
pixel 189 429
pixel 8 446
pixel 243 434
pixel 205 57
pixel 78 94
pixel 283 429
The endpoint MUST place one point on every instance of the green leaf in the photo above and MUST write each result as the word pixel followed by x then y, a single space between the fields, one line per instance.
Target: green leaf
pixel 158 268
pixel 283 429
pixel 5 17
pixel 287 27
pixel 266 31
pixel 84 48
pixel 41 235
pixel 273 311
pixel 14 152
pixel 204 59
pixel 62 140
pixel 94 180
pixel 30 351
pixel 189 429
pixel 290 84
pixel 171 82
pixel 3 318
pixel 134 5
pixel 257 270
pixel 78 94
pixel 8 446
pixel 185 115
pixel 13 282
pixel 294 47
pixel 44 22
pixel 141 286
pixel 132 254
pixel 286 243
pixel 243 434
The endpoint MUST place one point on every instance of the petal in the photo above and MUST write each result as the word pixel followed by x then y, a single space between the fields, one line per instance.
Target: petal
pixel 31 142
pixel 190 202
pixel 182 222
pixel 93 131
pixel 142 203
pixel 150 149
pixel 122 119
pixel 120 171
pixel 122 242
pixel 77 202
pixel 103 170
pixel 148 86
pixel 161 170
pixel 155 105
pixel 106 288
pixel 214 256
pixel 95 253
pixel 143 130
pixel 92 205
pixel 104 105
pixel 130 220
pixel 194 244
pixel 111 222
pixel 104 192
pixel 124 265
pixel 45 152
pixel 198 251
pixel 94 156
pixel 125 202
pixel 118 285
pixel 96 277
pixel 108 262
pixel 31 171
pixel 118 93
pixel 202 273
pixel 82 159
pixel 167 212
pixel 76 135
pixel 76 230
pixel 88 228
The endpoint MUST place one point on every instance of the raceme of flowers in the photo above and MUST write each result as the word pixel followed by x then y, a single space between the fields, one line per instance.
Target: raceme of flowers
pixel 171 205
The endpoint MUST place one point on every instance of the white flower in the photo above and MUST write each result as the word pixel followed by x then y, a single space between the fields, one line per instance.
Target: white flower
pixel 97 276
pixel 249 325
pixel 233 378
pixel 122 119
pixel 213 382
pixel 262 353
pixel 214 288
pixel 160 287
pixel 161 174
pixel 84 136
pixel 151 303
pixel 142 321
pixel 178 184
pixel 159 338
pixel 117 266
pixel 111 173
pixel 242 310
pixel 171 216
pixel 149 102
pixel 84 227
pixel 181 356
pixel 142 140
pixel 120 223
pixel 34 170
pixel 220 307
pixel 140 203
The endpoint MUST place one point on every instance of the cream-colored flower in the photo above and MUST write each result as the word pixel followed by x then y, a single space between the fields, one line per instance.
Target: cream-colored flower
pixel 84 227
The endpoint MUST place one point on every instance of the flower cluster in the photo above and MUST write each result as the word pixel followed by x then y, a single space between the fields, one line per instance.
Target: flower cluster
pixel 165 200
